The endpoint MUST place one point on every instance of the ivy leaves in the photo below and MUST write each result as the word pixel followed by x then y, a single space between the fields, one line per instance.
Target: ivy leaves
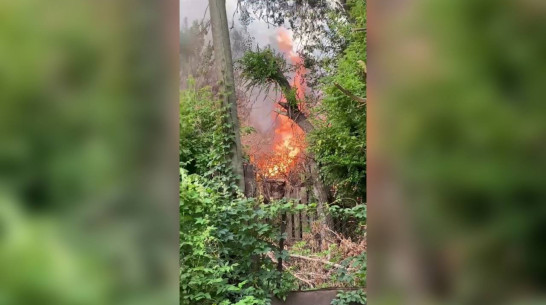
pixel 223 242
pixel 205 138
pixel 224 238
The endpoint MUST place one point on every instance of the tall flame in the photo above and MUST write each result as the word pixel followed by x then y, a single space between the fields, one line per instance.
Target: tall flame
pixel 288 139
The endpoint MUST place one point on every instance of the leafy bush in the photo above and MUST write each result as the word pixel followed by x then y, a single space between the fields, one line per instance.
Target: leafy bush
pixel 355 267
pixel 354 271
pixel 223 246
pixel 225 239
pixel 350 298
pixel 339 142
pixel 355 216
pixel 204 142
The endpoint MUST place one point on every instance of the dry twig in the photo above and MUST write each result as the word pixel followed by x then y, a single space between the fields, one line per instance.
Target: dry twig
pixel 296 275
pixel 318 260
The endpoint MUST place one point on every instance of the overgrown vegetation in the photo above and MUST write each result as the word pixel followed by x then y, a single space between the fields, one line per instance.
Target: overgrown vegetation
pixel 229 244
pixel 339 141
pixel 350 297
pixel 312 22
pixel 204 137
pixel 262 68
pixel 223 247
pixel 224 238
pixel 227 241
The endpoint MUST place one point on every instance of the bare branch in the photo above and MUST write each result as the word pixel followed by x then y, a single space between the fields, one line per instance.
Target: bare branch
pixel 316 260
pixel 349 94
pixel 301 279
pixel 281 112
pixel 284 105
pixel 308 282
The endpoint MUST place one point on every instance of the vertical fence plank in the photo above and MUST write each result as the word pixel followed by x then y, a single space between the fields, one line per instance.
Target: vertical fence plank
pixel 304 222
pixel 281 241
pixel 304 219
pixel 289 233
pixel 297 226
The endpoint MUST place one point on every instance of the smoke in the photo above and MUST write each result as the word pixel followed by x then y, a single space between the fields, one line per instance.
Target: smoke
pixel 272 129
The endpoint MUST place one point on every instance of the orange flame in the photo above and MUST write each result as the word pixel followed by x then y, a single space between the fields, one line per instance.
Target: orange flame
pixel 288 139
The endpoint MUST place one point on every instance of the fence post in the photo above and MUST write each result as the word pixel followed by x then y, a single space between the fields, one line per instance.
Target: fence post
pixel 297 226
pixel 281 241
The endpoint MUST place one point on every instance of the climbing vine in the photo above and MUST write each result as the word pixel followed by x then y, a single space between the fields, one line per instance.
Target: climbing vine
pixel 225 239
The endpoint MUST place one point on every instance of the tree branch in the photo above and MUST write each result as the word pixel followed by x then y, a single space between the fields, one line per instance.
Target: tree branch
pixel 318 260
pixel 280 112
pixel 298 117
pixel 302 279
pixel 308 282
pixel 349 94
pixel 284 105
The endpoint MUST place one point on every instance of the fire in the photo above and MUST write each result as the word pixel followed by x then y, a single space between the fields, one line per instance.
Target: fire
pixel 286 150
pixel 288 139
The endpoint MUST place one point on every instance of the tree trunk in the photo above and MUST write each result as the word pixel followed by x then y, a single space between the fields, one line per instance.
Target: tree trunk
pixel 224 62
pixel 321 194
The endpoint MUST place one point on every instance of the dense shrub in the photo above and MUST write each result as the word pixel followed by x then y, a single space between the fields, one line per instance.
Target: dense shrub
pixel 224 238
pixel 223 242
pixel 204 140
pixel 339 142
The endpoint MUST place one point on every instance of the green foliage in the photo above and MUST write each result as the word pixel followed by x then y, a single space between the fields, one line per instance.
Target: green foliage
pixel 262 68
pixel 246 130
pixel 204 136
pixel 311 22
pixel 223 246
pixel 82 132
pixel 224 238
pixel 339 143
pixel 350 298
pixel 353 271
pixel 356 214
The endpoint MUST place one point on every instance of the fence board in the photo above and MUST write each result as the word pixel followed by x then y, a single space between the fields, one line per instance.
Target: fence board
pixel 289 233
pixel 297 226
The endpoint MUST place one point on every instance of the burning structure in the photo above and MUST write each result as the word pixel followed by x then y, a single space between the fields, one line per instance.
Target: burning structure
pixel 285 155
pixel 280 165
pixel 285 161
